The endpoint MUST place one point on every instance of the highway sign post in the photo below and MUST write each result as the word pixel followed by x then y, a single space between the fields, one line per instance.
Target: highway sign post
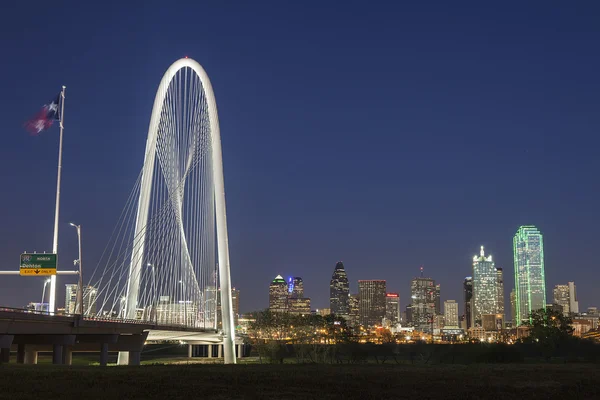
pixel 37 264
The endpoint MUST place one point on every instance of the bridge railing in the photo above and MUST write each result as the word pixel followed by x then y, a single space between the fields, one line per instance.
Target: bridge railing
pixel 98 318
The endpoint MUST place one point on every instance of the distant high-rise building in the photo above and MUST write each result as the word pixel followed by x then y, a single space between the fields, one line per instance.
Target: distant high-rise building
pixel 392 307
pixel 278 295
pixel 573 303
pixel 561 297
pixel 437 300
pixel 468 292
pixel 89 300
pixel 299 306
pixel 485 287
pixel 500 289
pixel 354 310
pixel 450 314
pixel 423 298
pixel 513 305
pixel 530 281
pixel 235 300
pixel 71 298
pixel 295 287
pixel 371 301
pixel 566 297
pixel 339 291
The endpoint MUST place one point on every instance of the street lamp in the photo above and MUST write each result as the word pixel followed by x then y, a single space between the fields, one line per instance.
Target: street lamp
pixel 47 281
pixel 80 284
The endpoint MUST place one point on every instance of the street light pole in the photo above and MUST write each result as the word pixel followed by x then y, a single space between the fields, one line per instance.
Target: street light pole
pixel 80 284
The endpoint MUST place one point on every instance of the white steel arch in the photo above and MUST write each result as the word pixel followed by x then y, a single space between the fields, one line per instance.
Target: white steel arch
pixel 220 219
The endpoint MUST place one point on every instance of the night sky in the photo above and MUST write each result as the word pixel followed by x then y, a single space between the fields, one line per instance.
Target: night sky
pixel 384 135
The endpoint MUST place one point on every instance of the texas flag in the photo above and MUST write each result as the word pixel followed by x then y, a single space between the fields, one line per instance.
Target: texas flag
pixel 44 118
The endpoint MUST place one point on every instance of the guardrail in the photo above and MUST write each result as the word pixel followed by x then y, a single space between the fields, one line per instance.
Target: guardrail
pixel 102 319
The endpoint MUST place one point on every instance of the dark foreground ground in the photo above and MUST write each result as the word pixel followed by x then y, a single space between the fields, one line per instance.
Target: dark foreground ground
pixel 506 382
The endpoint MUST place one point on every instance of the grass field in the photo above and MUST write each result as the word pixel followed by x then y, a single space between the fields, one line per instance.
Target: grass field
pixel 506 382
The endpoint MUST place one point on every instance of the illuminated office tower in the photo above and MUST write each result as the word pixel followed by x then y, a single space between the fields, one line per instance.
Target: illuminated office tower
pixel 500 290
pixel 468 291
pixel 297 303
pixel 485 287
pixel 339 291
pixel 70 298
pixel 451 314
pixel 392 307
pixel 530 283
pixel 561 297
pixel 422 309
pixel 437 300
pixel 573 303
pixel 513 305
pixel 278 295
pixel 354 310
pixel 89 300
pixel 295 287
pixel 371 301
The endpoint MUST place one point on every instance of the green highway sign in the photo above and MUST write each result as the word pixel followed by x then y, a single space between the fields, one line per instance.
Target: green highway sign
pixel 38 264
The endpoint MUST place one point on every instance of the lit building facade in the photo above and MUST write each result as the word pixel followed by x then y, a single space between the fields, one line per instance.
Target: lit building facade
pixel 561 297
pixel 339 291
pixel 70 298
pixel 89 300
pixel 422 308
pixel 530 281
pixel 573 303
pixel 299 306
pixel 371 301
pixel 513 306
pixel 468 296
pixel 278 295
pixel 437 300
pixel 451 314
pixel 485 287
pixel 354 310
pixel 295 287
pixel 392 308
pixel 500 290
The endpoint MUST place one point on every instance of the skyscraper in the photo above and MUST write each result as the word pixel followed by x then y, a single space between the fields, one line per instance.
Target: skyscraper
pixel 451 314
pixel 89 300
pixel 573 303
pixel 70 298
pixel 566 297
pixel 235 300
pixel 485 287
pixel 371 301
pixel 500 288
pixel 278 295
pixel 530 282
pixel 513 306
pixel 392 307
pixel 354 310
pixel 468 291
pixel 339 291
pixel 437 300
pixel 423 297
pixel 561 297
pixel 295 287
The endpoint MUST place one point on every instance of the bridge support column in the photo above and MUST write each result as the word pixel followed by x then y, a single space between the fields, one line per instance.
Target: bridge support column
pixel 240 350
pixel 134 357
pixel 220 351
pixel 103 354
pixel 21 354
pixel 67 355
pixel 31 357
pixel 57 354
pixel 210 349
pixel 190 351
pixel 4 355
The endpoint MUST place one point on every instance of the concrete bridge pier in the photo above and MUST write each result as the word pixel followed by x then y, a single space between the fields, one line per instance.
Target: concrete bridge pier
pixel 103 354
pixel 67 355
pixel 5 343
pixel 31 356
pixel 21 353
pixel 57 354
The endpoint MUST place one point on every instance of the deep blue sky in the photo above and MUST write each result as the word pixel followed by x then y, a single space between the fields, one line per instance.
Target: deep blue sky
pixel 382 134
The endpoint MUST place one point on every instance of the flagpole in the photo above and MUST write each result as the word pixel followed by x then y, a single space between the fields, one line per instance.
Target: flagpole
pixel 52 301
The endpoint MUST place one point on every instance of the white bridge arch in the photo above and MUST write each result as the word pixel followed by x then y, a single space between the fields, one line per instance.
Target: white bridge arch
pixel 183 134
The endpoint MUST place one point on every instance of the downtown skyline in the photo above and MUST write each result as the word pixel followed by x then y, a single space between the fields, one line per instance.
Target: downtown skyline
pixel 457 98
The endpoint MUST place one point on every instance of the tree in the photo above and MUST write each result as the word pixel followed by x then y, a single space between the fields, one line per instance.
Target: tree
pixel 549 327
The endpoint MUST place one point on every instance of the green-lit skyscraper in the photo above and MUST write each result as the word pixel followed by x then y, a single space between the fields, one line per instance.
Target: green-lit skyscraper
pixel 530 283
